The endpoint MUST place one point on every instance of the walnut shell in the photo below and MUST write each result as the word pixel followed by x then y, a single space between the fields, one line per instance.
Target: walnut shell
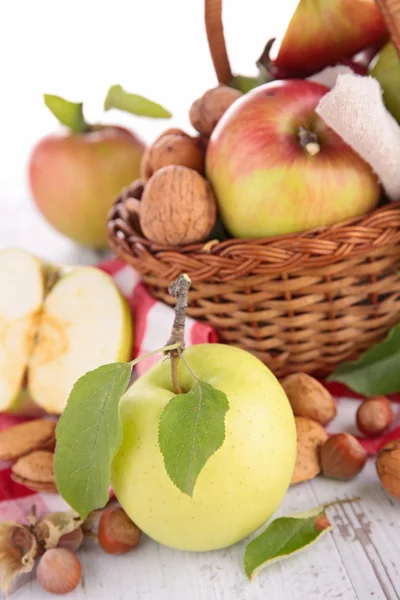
pixel 176 149
pixel 177 207
pixel 388 467
pixel 146 170
pixel 310 437
pixel 309 398
pixel 206 111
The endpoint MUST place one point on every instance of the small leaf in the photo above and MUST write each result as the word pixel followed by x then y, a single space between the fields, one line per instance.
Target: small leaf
pixel 284 537
pixel 245 83
pixel 377 372
pixel 134 104
pixel 88 436
pixel 68 113
pixel 191 429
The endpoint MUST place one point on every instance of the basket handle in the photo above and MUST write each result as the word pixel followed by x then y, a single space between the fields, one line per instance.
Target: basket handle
pixel 216 40
pixel 390 10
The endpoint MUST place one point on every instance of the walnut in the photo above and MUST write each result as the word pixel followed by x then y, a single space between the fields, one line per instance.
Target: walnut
pixel 177 207
pixel 388 467
pixel 173 147
pixel 176 150
pixel 205 112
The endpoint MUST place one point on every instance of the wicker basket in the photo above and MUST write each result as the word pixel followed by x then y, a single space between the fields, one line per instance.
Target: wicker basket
pixel 302 302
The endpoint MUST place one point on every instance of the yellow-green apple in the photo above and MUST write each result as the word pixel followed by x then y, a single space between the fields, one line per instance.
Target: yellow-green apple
pixel 325 32
pixel 55 324
pixel 76 174
pixel 277 168
pixel 386 69
pixel 240 486
pixel 21 297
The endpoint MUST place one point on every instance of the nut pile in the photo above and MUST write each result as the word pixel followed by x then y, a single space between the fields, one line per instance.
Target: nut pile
pixel 52 541
pixel 340 456
pixel 175 203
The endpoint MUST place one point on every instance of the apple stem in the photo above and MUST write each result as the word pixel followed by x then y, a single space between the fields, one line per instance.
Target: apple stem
pixel 308 140
pixel 179 289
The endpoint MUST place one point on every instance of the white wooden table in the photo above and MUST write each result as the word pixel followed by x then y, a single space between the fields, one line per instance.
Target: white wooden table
pixel 359 560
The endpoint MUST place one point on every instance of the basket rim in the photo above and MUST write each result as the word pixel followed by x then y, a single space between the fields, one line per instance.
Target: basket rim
pixel 356 227
pixel 238 257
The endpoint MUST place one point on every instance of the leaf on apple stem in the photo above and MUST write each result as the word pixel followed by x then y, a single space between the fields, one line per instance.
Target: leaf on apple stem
pixel 377 372
pixel 191 429
pixel 88 436
pixel 134 104
pixel 68 113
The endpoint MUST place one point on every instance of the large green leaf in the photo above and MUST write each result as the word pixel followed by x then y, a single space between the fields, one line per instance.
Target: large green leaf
pixel 68 113
pixel 134 104
pixel 88 436
pixel 283 538
pixel 191 429
pixel 377 372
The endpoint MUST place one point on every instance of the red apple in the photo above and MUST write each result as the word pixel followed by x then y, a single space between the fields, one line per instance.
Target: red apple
pixel 325 32
pixel 74 178
pixel 277 168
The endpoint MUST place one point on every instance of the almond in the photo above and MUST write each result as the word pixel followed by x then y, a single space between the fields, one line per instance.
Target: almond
pixel 24 438
pixel 309 398
pixel 310 437
pixel 35 471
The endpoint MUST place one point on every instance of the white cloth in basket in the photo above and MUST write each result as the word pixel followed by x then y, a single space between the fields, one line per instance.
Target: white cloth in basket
pixel 354 109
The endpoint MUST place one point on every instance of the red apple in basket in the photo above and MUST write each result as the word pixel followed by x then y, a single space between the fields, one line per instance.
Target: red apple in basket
pixel 75 175
pixel 277 168
pixel 325 32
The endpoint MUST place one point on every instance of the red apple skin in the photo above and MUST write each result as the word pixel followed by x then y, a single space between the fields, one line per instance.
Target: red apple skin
pixel 266 183
pixel 325 32
pixel 74 179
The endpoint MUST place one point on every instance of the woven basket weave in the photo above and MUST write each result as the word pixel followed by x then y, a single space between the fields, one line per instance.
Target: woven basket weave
pixel 302 302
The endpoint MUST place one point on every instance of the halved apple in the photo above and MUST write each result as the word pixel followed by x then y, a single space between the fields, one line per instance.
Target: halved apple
pixel 85 323
pixel 22 291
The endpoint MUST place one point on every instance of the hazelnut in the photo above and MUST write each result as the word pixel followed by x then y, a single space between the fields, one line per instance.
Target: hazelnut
pixel 374 416
pixel 309 398
pixel 117 533
pixel 310 437
pixel 177 207
pixel 388 467
pixel 205 112
pixel 342 456
pixel 59 571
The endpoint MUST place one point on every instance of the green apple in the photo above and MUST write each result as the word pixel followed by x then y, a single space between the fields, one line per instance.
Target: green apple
pixel 85 323
pixel 240 486
pixel 56 323
pixel 386 69
pixel 22 291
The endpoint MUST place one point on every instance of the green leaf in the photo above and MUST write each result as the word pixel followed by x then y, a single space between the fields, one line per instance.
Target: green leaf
pixel 284 537
pixel 68 113
pixel 377 372
pixel 191 429
pixel 134 104
pixel 245 83
pixel 88 436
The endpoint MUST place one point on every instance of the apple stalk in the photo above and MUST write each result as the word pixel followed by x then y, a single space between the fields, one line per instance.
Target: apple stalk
pixel 308 140
pixel 179 289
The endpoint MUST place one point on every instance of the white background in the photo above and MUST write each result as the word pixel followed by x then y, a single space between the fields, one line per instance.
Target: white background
pixel 77 49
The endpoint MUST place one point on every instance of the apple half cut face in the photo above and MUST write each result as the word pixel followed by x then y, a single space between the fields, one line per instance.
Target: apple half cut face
pixel 22 291
pixel 85 323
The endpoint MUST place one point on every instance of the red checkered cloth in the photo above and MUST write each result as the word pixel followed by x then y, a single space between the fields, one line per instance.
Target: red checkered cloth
pixel 152 328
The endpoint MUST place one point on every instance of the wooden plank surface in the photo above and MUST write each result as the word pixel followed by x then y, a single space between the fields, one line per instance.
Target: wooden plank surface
pixel 359 560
